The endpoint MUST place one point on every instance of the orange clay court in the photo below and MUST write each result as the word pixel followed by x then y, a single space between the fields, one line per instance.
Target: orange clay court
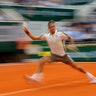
pixel 59 80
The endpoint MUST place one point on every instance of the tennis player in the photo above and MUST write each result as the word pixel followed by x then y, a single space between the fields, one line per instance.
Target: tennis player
pixel 56 41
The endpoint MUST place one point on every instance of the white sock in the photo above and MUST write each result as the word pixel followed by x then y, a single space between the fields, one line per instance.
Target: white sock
pixel 90 76
pixel 37 76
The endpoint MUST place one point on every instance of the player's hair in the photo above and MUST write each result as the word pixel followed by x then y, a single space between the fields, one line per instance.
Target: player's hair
pixel 51 22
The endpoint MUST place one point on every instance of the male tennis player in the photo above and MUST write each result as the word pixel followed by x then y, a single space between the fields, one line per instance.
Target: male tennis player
pixel 56 41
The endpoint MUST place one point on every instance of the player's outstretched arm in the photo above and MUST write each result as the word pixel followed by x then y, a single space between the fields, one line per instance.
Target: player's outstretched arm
pixel 33 37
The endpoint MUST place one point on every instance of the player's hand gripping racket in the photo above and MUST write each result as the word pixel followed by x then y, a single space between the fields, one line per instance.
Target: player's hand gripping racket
pixel 73 48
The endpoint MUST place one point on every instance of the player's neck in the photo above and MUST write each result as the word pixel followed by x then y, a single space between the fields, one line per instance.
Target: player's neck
pixel 52 33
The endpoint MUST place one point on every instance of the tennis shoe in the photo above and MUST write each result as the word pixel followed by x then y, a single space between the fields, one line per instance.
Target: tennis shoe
pixel 31 80
pixel 93 80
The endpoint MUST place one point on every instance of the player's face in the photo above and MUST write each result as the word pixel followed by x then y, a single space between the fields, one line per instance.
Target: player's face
pixel 51 28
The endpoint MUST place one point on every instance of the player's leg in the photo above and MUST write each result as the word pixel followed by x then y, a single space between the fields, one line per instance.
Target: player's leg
pixel 42 61
pixel 68 60
pixel 38 75
pixel 89 75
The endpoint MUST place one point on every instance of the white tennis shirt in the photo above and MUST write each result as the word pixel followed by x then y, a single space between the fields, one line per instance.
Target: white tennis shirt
pixel 56 42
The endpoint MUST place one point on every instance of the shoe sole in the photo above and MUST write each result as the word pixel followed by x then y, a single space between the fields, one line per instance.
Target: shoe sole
pixel 93 82
pixel 30 80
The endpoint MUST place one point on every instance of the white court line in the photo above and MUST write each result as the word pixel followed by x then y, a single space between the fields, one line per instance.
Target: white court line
pixel 45 87
pixel 14 64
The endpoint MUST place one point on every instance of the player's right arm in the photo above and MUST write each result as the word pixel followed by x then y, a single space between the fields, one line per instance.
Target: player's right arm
pixel 33 37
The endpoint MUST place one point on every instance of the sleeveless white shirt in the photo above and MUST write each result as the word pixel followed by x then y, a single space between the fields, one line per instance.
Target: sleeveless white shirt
pixel 56 42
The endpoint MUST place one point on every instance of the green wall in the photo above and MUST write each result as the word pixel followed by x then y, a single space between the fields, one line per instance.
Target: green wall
pixel 85 53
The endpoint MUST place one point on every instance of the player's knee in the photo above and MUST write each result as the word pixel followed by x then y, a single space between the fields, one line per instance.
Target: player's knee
pixel 44 60
pixel 41 61
pixel 78 67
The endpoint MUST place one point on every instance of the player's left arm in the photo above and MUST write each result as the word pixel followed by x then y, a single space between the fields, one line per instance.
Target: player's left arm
pixel 71 39
pixel 71 44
